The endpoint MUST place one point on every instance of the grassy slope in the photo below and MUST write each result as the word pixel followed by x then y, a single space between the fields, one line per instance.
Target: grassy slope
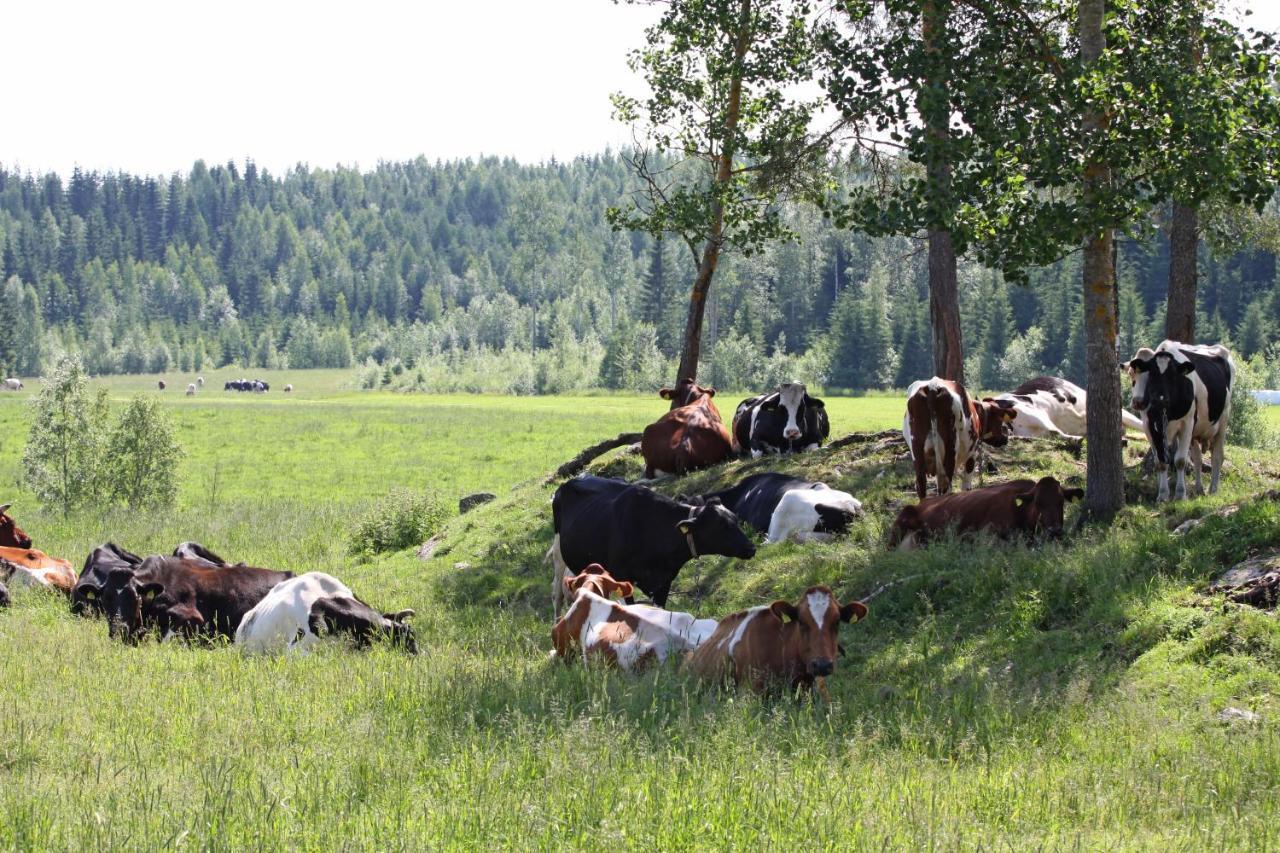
pixel 1006 697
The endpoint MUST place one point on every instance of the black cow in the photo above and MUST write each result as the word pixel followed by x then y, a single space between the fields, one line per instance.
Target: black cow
pixel 86 598
pixel 637 534
pixel 784 421
pixel 180 596
pixel 4 596
pixel 785 507
pixel 1183 393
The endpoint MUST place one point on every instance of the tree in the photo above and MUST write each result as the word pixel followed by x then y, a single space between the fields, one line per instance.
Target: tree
pixel 141 458
pixel 62 459
pixel 721 75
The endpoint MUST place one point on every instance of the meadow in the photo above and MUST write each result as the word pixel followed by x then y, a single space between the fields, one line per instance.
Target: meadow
pixel 999 696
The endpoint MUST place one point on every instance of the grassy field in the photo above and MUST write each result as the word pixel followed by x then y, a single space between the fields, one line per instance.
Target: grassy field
pixel 999 697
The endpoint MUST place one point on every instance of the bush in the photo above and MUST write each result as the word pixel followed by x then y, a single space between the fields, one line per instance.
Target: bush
pixel 141 461
pixel 1248 426
pixel 62 461
pixel 400 520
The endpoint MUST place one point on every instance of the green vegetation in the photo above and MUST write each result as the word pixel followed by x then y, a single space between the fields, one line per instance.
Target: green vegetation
pixel 999 696
pixel 403 519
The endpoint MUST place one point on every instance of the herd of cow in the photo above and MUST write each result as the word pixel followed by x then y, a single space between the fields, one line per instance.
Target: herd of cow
pixel 612 537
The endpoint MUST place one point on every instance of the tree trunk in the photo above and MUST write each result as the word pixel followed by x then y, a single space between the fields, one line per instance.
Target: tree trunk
pixel 934 106
pixel 1104 484
pixel 690 350
pixel 1180 316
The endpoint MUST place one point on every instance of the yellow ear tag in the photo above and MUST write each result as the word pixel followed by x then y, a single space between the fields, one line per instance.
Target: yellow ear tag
pixel 151 595
pixel 91 595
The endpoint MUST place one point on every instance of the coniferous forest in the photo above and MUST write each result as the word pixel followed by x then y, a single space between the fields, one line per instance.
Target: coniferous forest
pixel 491 275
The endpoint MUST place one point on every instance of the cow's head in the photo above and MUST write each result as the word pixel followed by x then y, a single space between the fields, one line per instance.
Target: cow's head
pixel 793 398
pixel 11 536
pixel 713 529
pixel 816 635
pixel 122 600
pixel 686 391
pixel 994 422
pixel 1044 506
pixel 594 578
pixel 399 632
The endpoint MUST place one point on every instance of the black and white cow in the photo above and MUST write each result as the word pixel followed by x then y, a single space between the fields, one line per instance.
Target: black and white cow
pixel 1184 394
pixel 1047 405
pixel 784 421
pixel 108 557
pixel 785 507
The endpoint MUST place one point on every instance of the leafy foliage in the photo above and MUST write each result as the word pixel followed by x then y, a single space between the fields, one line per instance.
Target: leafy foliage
pixel 401 520
pixel 62 461
pixel 141 456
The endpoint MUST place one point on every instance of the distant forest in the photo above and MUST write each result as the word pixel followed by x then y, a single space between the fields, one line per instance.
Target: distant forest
pixel 492 275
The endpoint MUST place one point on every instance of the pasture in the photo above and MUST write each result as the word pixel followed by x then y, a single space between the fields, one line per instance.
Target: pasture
pixel 999 696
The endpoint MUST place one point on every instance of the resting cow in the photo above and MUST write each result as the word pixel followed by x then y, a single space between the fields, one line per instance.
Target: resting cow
pixel 1019 506
pixel 1184 395
pixel 784 421
pixel 298 611
pixel 180 596
pixel 943 427
pixel 11 535
pixel 642 536
pixel 31 568
pixel 780 643
pixel 101 562
pixel 785 507
pixel 688 437
pixel 1048 405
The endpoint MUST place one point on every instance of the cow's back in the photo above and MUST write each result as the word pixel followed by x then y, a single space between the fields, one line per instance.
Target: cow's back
pixel 989 508
pixel 1216 372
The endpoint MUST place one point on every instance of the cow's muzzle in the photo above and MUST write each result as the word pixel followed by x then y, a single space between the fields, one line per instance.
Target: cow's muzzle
pixel 820 667
pixel 791 433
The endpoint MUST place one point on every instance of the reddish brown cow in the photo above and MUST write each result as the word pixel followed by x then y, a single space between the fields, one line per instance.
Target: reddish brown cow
pixel 780 643
pixel 689 436
pixel 943 426
pixel 11 536
pixel 1019 506
pixel 28 567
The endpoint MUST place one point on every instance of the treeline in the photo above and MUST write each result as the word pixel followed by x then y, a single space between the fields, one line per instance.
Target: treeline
pixel 492 275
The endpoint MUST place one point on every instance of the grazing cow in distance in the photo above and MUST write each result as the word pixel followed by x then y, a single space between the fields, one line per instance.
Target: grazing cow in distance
pixel 1019 506
pixel 28 567
pixel 1184 394
pixel 191 389
pixel 943 427
pixel 784 421
pixel 161 384
pixel 641 536
pixel 288 388
pixel 785 507
pixel 688 437
pixel 1047 405
pixel 777 644
pixel 200 381
pixel 300 610
pixel 179 596
pixel 11 535
pixel 13 385
pixel 101 562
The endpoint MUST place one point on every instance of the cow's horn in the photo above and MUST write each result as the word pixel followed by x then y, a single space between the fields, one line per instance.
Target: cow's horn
pixel 4 508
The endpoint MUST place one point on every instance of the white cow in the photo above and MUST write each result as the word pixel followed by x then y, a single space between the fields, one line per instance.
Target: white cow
pixel 1048 405
pixel 288 388
pixel 191 389
pixel 291 617
pixel 13 385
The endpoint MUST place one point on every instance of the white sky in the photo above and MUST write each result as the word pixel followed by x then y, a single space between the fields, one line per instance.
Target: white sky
pixel 149 86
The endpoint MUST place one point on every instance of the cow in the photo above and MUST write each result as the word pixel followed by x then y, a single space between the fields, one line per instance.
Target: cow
pixel 784 421
pixel 943 427
pixel 11 535
pixel 191 389
pixel 688 437
pixel 200 381
pixel 179 596
pixel 13 384
pixel 777 644
pixel 101 562
pixel 626 636
pixel 641 536
pixel 1183 392
pixel 1047 405
pixel 28 567
pixel 196 551
pixel 1019 506
pixel 161 384
pixel 785 507
pixel 288 389
pixel 300 610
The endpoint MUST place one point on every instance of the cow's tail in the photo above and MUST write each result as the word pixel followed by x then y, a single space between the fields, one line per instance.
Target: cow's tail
pixel 937 396
pixel 558 571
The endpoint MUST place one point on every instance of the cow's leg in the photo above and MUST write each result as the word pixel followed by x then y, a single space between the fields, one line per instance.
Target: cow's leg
pixel 1180 455
pixel 559 571
pixel 1197 463
pixel 921 465
pixel 660 594
pixel 1162 491
pixel 1219 453
pixel 966 481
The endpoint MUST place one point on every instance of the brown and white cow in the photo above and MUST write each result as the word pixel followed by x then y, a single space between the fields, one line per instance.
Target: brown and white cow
pixel 688 437
pixel 11 535
pixel 943 427
pixel 1019 506
pixel 32 568
pixel 780 643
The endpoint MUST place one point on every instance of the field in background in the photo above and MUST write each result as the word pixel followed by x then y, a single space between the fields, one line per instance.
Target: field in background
pixel 1001 697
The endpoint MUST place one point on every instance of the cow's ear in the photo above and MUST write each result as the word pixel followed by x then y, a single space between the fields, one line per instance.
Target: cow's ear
pixel 1022 500
pixel 1073 494
pixel 1138 365
pixel 666 393
pixel 854 611
pixel 90 591
pixel 624 589
pixel 785 610
pixel 816 402
pixel 710 392
pixel 1186 367
pixel 1009 414
pixel 149 591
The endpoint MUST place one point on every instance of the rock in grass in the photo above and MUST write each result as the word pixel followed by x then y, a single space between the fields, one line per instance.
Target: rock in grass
pixel 1256 581
pixel 470 502
pixel 1237 715
pixel 429 547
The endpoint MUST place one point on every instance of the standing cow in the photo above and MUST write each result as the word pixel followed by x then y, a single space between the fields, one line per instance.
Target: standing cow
pixel 161 384
pixel 191 389
pixel 1184 394
pixel 784 421
pixel 13 385
pixel 943 427
pixel 688 437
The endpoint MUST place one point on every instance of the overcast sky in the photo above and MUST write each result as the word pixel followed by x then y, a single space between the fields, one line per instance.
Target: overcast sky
pixel 149 86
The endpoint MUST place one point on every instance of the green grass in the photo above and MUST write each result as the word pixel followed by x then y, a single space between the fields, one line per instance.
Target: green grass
pixel 1002 697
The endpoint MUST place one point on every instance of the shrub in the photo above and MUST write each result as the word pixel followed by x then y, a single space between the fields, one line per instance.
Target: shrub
pixel 400 520
pixel 62 461
pixel 1248 426
pixel 141 460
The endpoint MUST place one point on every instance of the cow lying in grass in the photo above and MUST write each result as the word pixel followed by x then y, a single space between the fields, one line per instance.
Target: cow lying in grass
pixel 31 568
pixel 1019 506
pixel 785 507
pixel 298 611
